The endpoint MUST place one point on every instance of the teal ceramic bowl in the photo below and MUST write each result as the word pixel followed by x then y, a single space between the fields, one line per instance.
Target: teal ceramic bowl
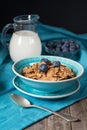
pixel 48 86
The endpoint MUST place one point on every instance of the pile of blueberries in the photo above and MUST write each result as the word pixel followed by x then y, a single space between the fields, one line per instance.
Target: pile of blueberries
pixel 64 47
pixel 44 67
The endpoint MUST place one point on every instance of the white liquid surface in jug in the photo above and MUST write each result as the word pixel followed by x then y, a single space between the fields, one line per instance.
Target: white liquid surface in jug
pixel 24 44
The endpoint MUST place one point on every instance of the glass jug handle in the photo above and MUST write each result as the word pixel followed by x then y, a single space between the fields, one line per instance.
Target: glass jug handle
pixel 4 32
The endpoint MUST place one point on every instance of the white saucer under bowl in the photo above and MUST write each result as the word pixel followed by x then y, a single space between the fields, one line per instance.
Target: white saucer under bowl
pixel 19 85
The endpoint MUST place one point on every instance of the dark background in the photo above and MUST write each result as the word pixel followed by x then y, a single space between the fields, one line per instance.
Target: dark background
pixel 68 14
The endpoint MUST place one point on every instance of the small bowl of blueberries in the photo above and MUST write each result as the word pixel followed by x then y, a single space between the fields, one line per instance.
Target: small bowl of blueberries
pixel 46 74
pixel 65 47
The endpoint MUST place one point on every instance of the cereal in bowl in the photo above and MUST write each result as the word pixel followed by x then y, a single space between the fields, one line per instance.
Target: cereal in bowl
pixel 49 71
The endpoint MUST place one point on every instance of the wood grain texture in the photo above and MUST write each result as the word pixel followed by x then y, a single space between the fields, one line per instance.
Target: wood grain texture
pixel 53 122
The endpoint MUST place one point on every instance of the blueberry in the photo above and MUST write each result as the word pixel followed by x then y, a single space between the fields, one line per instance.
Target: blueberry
pixel 77 46
pixel 66 44
pixel 45 60
pixel 72 44
pixel 72 48
pixel 65 49
pixel 63 41
pixel 59 45
pixel 58 49
pixel 56 64
pixel 43 67
pixel 71 41
pixel 48 44
pixel 55 44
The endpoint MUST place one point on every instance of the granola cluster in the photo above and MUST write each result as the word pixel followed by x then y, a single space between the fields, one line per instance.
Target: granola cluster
pixel 51 73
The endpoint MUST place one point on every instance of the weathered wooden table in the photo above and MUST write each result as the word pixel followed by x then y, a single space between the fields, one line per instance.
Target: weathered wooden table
pixel 79 109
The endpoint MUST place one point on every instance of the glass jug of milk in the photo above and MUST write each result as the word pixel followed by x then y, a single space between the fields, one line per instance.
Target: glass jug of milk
pixel 24 42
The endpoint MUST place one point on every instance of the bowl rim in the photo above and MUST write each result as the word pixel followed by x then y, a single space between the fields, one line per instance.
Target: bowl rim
pixel 46 56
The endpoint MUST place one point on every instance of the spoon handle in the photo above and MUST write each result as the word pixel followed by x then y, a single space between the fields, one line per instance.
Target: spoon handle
pixel 62 115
